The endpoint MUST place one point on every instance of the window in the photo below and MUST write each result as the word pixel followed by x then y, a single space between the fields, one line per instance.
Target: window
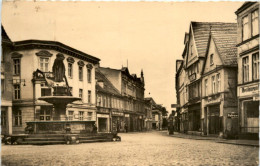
pixel 17 117
pixel 245 69
pixel 44 64
pixel 213 84
pixel 45 91
pixel 3 118
pixel 80 93
pixel 255 23
pixel 80 73
pixel 45 113
pixel 191 53
pixel 245 28
pixel 2 86
pixel 256 66
pixel 16 66
pixel 71 113
pixel 211 59
pixel 89 75
pixel 206 87
pixel 218 83
pixel 89 96
pixel 90 115
pixel 17 92
pixel 81 115
pixel 70 70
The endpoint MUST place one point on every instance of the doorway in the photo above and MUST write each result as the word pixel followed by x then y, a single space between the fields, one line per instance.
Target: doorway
pixel 214 120
pixel 102 124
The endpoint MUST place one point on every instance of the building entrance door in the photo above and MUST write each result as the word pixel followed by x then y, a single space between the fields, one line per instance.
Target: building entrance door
pixel 214 125
pixel 102 124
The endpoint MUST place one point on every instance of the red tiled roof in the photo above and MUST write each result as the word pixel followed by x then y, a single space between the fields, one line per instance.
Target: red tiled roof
pixel 201 31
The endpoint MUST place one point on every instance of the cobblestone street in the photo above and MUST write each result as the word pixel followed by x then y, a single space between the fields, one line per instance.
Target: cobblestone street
pixel 151 148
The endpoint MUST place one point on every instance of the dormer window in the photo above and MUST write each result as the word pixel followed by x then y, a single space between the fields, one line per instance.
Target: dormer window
pixel 211 59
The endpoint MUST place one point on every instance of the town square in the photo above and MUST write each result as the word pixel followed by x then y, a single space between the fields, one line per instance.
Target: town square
pixel 130 83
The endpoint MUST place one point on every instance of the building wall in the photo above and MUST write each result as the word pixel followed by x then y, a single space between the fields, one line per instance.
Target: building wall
pixel 114 76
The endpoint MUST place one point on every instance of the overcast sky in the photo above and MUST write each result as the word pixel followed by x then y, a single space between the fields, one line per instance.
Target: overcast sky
pixel 149 35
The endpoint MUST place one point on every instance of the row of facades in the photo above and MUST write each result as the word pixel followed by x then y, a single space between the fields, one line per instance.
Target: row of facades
pixel 112 97
pixel 217 81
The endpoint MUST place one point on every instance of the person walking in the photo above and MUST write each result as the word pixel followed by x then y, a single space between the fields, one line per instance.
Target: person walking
pixel 126 128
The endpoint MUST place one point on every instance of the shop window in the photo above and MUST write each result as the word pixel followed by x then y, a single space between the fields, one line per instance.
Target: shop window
pixel 255 22
pixel 17 66
pixel 81 115
pixel 44 64
pixel 70 70
pixel 45 113
pixel 251 117
pixel 17 91
pixel 256 66
pixel 71 115
pixel 17 115
pixel 3 118
pixel 90 115
pixel 245 69
pixel 89 96
pixel 245 28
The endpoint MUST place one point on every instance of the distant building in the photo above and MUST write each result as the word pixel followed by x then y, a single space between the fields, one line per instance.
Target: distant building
pixel 248 68
pixel 22 78
pixel 148 114
pixel 132 89
pixel 219 81
pixel 109 106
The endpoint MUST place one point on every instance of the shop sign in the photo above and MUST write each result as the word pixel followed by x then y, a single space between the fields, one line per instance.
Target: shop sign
pixel 102 116
pixel 117 113
pixel 249 90
pixel 127 115
pixel 102 110
pixel 232 115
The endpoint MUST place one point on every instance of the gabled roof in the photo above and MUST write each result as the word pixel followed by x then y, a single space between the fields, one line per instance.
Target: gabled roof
pixel 5 37
pixel 150 99
pixel 226 45
pixel 201 31
pixel 108 86
pixel 244 6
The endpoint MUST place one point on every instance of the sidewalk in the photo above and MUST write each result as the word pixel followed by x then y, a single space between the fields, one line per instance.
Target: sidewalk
pixel 254 143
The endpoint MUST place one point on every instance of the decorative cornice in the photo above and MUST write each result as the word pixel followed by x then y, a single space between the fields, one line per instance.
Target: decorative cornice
pixel 44 53
pixel 89 66
pixel 70 59
pixel 249 51
pixel 81 63
pixel 16 55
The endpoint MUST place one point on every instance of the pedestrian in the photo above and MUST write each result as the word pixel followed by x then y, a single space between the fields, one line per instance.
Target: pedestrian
pixel 126 128
pixel 94 129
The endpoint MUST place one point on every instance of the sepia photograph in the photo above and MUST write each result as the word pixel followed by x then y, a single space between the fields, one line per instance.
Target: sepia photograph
pixel 129 83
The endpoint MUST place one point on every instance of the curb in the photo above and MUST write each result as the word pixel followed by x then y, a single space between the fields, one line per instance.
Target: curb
pixel 217 141
pixel 243 144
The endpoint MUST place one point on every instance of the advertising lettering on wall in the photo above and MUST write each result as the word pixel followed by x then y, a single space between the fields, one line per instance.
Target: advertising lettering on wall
pixel 249 90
